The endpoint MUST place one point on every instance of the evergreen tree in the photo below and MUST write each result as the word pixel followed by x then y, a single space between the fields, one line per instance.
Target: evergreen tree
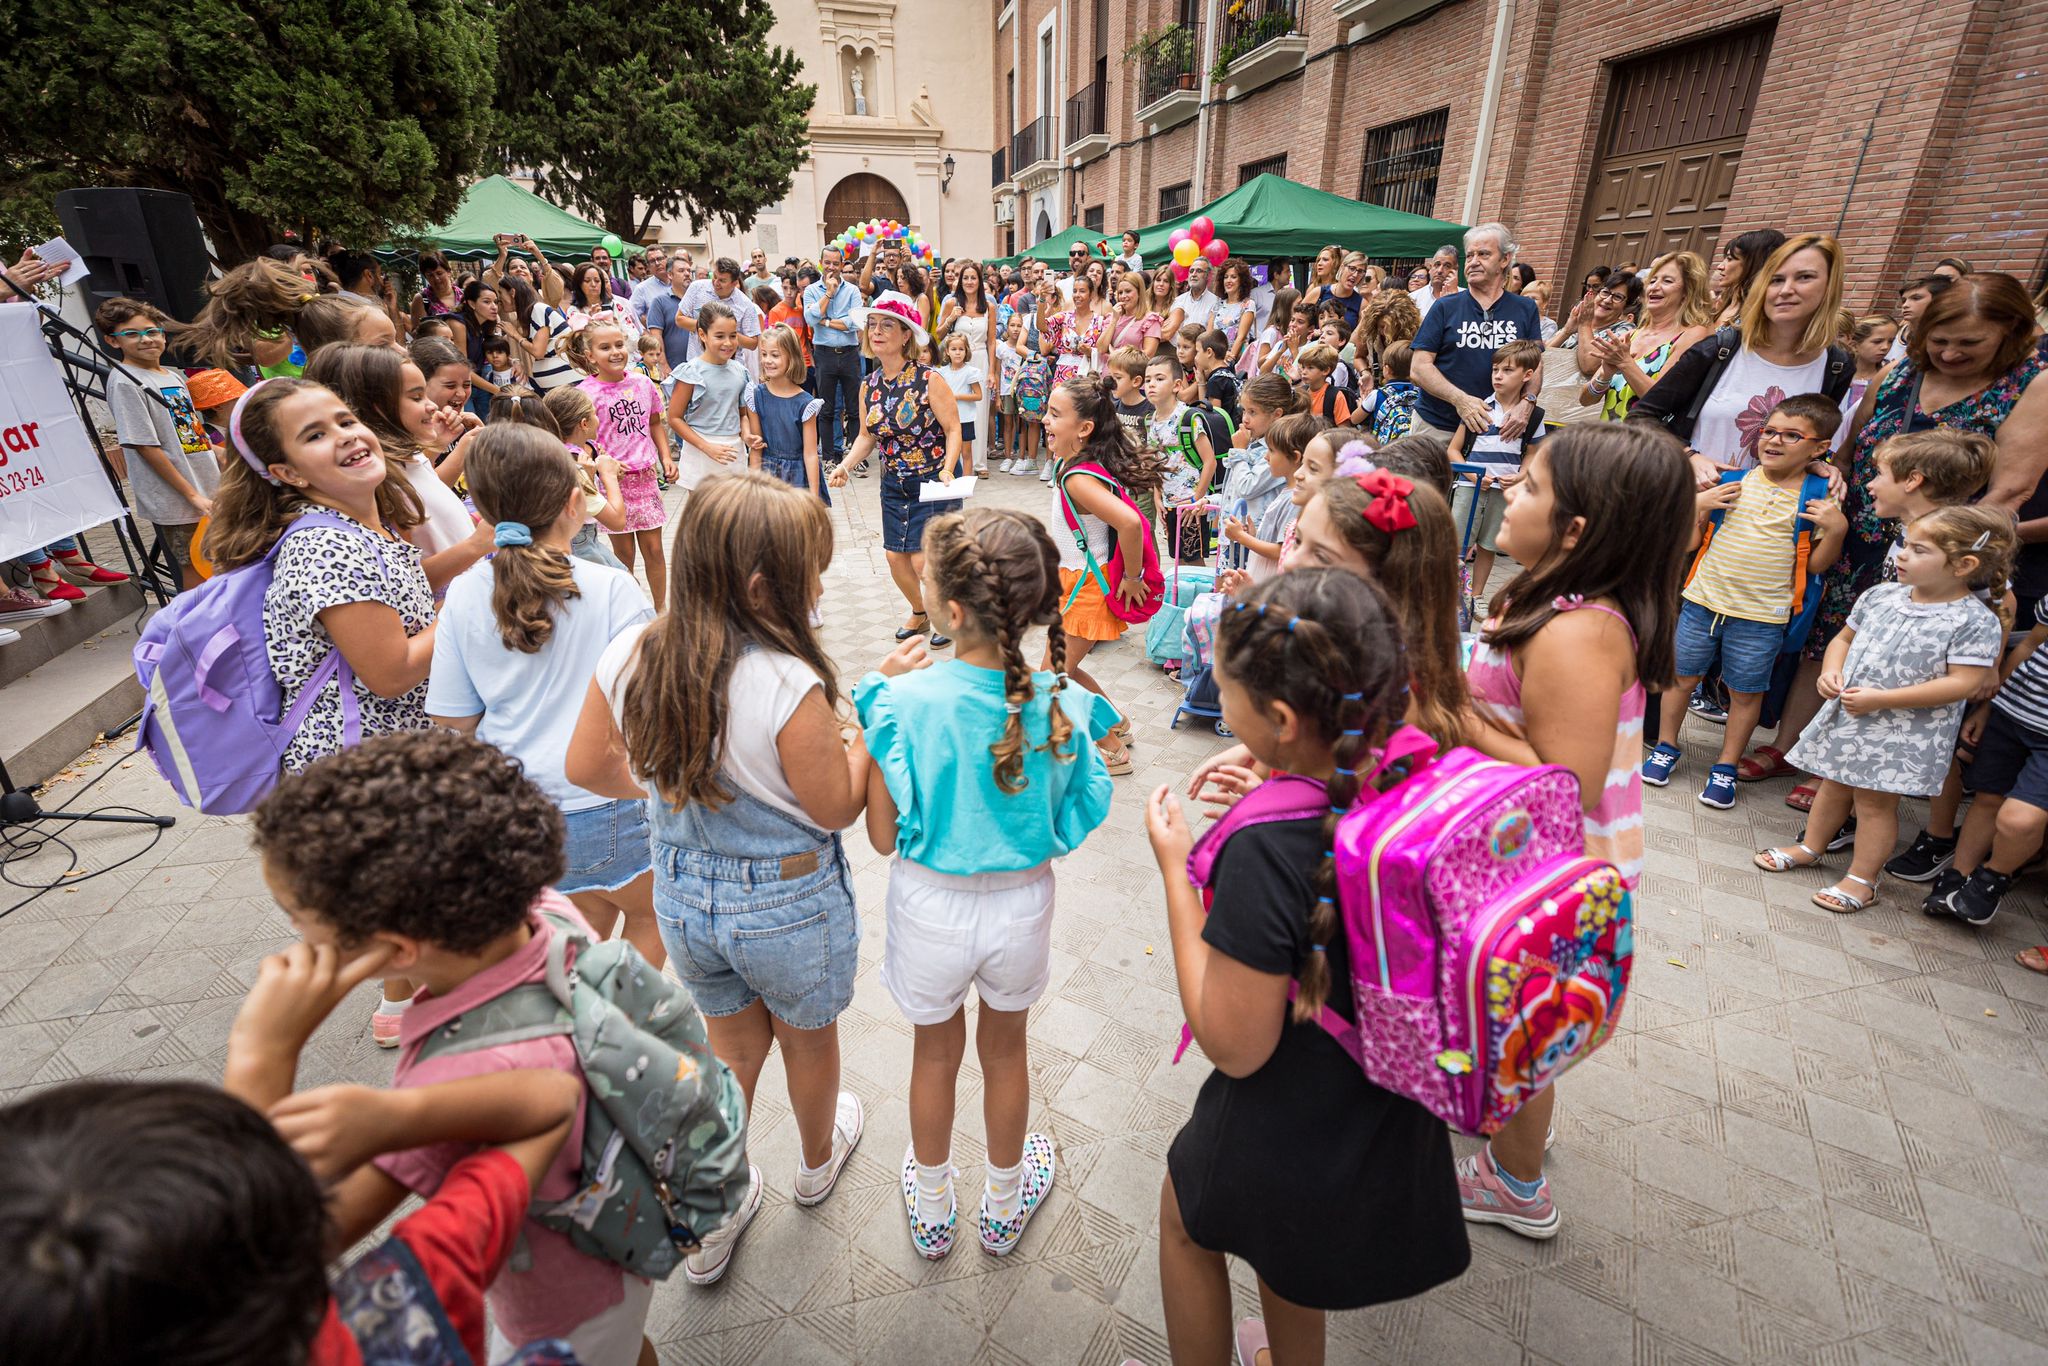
pixel 351 118
pixel 628 110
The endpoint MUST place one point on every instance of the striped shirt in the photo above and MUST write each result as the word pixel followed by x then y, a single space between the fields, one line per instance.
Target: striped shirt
pixel 1747 570
pixel 1614 827
pixel 2024 696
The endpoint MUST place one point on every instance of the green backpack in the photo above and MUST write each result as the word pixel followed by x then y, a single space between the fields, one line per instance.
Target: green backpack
pixel 664 1139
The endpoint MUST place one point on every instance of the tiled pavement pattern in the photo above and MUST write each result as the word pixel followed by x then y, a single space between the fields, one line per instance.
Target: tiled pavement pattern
pixel 1814 1138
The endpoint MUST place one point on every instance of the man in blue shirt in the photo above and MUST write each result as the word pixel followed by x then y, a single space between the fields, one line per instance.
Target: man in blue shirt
pixel 835 354
pixel 664 312
pixel 1452 355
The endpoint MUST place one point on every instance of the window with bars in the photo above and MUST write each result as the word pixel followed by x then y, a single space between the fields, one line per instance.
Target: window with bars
pixel 1401 162
pixel 1091 219
pixel 1173 200
pixel 1252 170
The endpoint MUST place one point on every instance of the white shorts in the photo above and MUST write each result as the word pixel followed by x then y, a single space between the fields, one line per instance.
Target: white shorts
pixel 608 1339
pixel 992 931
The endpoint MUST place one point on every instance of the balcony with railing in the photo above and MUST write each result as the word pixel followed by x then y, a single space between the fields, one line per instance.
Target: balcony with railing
pixel 1034 153
pixel 999 169
pixel 1088 122
pixel 1258 41
pixel 1169 75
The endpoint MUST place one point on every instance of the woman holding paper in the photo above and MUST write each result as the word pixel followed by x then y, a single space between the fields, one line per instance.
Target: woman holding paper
pixel 910 415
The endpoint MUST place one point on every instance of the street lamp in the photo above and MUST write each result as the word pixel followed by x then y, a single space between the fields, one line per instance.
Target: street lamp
pixel 946 166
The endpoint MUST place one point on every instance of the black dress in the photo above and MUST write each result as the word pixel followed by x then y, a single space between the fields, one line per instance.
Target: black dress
pixel 1339 1194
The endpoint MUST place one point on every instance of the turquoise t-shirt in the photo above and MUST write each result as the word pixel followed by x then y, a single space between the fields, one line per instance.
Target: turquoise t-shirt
pixel 931 730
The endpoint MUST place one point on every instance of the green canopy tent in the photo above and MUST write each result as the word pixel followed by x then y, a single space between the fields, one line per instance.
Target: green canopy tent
pixel 496 204
pixel 1271 216
pixel 1053 250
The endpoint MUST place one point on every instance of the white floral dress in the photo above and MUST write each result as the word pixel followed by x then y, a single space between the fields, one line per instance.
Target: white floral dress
pixel 1899 643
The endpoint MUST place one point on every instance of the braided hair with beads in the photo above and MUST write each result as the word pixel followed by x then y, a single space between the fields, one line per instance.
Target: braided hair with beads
pixel 1001 568
pixel 1325 644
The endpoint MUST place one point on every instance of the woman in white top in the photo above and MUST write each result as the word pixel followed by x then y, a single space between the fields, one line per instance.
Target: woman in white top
pixel 1236 317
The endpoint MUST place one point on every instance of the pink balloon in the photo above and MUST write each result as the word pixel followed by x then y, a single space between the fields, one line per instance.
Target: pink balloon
pixel 1180 273
pixel 1202 229
pixel 1217 252
pixel 1175 238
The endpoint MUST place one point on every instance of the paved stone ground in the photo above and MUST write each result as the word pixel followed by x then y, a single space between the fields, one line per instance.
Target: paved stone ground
pixel 1814 1138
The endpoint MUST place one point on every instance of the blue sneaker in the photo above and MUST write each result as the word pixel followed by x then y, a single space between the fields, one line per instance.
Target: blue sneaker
pixel 1719 792
pixel 1707 707
pixel 1657 767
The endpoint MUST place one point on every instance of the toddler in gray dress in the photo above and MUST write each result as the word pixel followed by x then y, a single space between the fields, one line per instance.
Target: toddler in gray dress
pixel 1895 681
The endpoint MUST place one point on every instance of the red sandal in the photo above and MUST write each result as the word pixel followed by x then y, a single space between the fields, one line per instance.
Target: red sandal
pixel 2033 960
pixel 1762 763
pixel 1801 797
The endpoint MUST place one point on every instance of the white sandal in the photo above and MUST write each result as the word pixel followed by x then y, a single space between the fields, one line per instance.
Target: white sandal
pixel 1776 860
pixel 1846 903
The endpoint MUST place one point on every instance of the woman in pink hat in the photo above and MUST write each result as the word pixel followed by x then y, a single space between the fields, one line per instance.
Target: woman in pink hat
pixel 913 420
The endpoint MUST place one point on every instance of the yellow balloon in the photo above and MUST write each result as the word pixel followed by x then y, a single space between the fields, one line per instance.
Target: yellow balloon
pixel 1186 253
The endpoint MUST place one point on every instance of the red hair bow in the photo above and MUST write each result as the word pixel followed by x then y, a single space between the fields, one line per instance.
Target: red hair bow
pixel 1388 510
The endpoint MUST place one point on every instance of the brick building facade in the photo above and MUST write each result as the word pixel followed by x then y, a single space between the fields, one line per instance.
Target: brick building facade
pixel 1601 130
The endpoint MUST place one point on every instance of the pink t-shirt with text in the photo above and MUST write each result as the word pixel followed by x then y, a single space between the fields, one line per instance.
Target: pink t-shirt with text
pixel 626 410
pixel 550 1292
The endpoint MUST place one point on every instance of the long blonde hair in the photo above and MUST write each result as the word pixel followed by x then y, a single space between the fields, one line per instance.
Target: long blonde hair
pixel 736 528
pixel 783 338
pixel 1820 328
pixel 1696 308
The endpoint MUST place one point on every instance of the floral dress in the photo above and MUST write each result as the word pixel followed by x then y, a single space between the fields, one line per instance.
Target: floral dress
pixel 908 437
pixel 1863 557
pixel 1074 342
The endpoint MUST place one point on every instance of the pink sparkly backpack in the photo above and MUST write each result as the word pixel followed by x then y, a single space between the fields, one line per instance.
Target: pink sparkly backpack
pixel 1488 953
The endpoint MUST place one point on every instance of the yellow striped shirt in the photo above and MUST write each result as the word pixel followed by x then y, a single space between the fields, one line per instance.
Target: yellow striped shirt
pixel 1748 569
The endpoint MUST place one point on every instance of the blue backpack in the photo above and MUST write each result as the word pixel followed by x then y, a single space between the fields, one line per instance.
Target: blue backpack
pixel 1805 580
pixel 211 718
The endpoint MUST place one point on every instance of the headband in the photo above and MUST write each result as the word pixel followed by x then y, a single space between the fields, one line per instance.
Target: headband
pixel 1388 510
pixel 235 433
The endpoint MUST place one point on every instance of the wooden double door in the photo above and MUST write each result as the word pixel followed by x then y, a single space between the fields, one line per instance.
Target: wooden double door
pixel 1670 147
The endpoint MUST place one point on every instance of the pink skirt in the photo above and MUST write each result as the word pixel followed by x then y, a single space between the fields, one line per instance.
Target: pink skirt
pixel 644 510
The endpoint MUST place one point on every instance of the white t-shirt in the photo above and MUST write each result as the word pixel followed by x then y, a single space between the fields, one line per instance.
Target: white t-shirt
pixel 448 522
pixel 766 689
pixel 961 378
pixel 1744 396
pixel 1133 262
pixel 1198 311
pixel 529 702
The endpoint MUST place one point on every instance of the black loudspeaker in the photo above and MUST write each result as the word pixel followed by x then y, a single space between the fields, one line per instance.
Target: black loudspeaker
pixel 141 244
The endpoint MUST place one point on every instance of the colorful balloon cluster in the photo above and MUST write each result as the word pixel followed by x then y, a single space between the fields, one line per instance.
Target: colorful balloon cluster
pixel 1196 242
pixel 861 237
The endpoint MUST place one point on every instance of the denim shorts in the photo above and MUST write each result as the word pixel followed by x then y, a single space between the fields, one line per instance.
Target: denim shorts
pixel 782 931
pixel 1748 650
pixel 607 847
pixel 903 516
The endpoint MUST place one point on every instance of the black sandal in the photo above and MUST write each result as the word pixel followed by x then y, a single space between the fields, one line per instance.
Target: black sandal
pixel 909 631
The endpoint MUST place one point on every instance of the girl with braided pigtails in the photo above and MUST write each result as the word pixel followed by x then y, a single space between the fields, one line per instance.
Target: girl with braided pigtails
pixel 984 772
pixel 1339 1194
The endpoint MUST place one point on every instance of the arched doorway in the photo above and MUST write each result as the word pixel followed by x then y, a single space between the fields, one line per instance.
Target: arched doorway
pixel 858 198
pixel 1041 229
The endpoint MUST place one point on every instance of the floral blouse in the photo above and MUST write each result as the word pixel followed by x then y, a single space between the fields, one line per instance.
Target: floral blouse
pixel 1074 343
pixel 896 412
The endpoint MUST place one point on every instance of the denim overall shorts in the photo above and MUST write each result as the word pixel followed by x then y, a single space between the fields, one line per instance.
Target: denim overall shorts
pixel 755 905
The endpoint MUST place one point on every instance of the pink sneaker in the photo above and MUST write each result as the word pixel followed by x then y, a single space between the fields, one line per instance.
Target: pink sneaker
pixel 1487 1199
pixel 384 1029
pixel 1251 1340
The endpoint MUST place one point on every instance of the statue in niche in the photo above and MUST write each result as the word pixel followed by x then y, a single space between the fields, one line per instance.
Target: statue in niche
pixel 860 99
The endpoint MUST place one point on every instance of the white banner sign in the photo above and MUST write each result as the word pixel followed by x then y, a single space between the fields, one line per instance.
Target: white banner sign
pixel 51 483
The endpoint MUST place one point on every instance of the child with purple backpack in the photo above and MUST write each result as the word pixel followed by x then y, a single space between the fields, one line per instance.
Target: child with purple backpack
pixel 1337 1192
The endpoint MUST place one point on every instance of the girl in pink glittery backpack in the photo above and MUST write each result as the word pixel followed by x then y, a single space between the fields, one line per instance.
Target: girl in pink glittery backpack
pixel 1338 1192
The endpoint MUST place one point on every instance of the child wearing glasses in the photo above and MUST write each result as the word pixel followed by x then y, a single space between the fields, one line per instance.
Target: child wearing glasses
pixel 172 467
pixel 1749 584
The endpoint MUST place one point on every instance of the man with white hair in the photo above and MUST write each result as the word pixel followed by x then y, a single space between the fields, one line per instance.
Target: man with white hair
pixel 1452 356
pixel 1443 279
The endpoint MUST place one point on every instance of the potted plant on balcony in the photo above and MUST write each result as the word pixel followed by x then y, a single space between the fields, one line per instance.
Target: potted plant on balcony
pixel 1169 51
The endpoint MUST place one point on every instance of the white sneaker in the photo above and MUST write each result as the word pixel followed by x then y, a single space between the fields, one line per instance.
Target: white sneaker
pixel 1009 467
pixel 846 1131
pixel 8 637
pixel 714 1254
pixel 1045 473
